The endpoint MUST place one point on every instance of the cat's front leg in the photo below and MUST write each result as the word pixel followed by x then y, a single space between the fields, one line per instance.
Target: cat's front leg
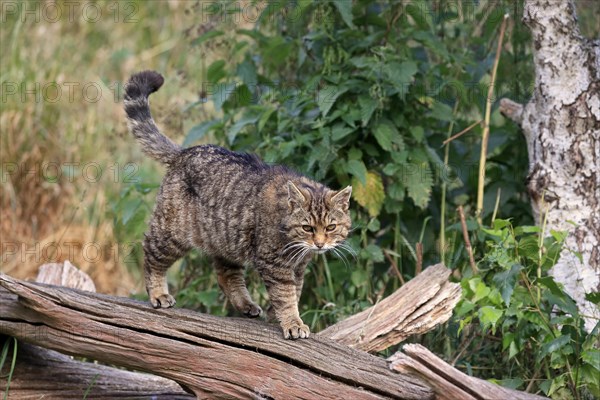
pixel 282 289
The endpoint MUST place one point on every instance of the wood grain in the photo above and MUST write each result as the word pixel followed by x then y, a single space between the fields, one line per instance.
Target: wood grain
pixel 448 382
pixel 422 303
pixel 214 357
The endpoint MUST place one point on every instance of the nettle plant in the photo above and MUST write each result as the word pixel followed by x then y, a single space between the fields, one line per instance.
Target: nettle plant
pixel 362 93
pixel 538 327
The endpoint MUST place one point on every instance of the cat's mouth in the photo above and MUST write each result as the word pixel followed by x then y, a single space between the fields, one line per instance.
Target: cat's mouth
pixel 320 251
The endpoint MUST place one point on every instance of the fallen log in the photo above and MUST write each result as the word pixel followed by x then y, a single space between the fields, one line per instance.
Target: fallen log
pixel 212 356
pixel 217 357
pixel 42 373
pixel 448 382
pixel 415 308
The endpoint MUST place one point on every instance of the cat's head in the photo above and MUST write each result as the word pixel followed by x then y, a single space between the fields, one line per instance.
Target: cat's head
pixel 319 219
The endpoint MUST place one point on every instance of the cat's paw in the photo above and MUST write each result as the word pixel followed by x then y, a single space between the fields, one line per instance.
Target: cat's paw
pixel 164 300
pixel 252 310
pixel 295 330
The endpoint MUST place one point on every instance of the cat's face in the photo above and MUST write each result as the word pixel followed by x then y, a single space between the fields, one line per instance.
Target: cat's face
pixel 319 219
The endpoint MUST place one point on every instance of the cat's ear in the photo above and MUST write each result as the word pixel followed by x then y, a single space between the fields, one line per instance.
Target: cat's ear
pixel 341 198
pixel 296 199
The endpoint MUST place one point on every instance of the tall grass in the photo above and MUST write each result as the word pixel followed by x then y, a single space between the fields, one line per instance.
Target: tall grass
pixel 65 150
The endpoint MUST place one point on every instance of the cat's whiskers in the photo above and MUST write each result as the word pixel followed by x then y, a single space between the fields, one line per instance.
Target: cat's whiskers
pixel 341 257
pixel 292 245
pixel 298 256
pixel 295 249
pixel 349 250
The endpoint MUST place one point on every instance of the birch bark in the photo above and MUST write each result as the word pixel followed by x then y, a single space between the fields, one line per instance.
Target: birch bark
pixel 561 123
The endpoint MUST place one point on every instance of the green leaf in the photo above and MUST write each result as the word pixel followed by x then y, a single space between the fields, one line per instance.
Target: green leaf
pixel 265 117
pixel 357 168
pixel 396 191
pixel 501 223
pixel 441 111
pixel 489 316
pixel 206 36
pixel 391 169
pixel 375 253
pixel 419 14
pixel 340 131
pixel 556 296
pixel 593 297
pixel 222 93
pixel 505 282
pixel 511 383
pixel 129 207
pixel 216 71
pixel 239 125
pixel 359 277
pixel 371 195
pixel 418 180
pixel 592 357
pixel 479 289
pixel 384 133
pixel 208 297
pixel 367 107
pixel 198 131
pixel 374 225
pixel 513 350
pixel 247 71
pixel 345 9
pixel 401 74
pixel 327 97
pixel 355 154
pixel 418 133
pixel 559 236
pixel 553 345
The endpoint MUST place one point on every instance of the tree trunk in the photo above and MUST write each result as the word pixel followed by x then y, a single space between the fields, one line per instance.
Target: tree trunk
pixel 561 124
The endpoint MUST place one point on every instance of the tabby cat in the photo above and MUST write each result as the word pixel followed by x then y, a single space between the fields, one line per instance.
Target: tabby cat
pixel 238 210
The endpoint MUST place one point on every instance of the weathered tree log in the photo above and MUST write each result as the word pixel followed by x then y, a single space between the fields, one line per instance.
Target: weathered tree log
pixel 65 274
pixel 561 124
pixel 212 356
pixel 415 308
pixel 42 373
pixel 219 357
pixel 448 382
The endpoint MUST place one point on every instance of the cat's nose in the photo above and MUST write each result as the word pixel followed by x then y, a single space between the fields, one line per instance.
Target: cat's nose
pixel 319 245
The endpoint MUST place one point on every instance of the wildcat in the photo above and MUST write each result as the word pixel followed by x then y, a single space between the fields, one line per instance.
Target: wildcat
pixel 237 209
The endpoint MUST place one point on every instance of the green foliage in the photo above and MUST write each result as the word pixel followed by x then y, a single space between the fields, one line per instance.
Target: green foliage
pixel 538 328
pixel 130 212
pixel 353 91
pixel 3 357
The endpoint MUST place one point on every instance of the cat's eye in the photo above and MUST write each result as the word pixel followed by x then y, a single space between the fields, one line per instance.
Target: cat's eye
pixel 330 228
pixel 307 228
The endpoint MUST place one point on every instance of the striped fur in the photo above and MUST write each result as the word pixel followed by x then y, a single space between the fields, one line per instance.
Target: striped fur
pixel 238 210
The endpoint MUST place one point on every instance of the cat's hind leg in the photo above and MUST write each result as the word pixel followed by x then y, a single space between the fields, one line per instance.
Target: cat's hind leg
pixel 231 280
pixel 161 250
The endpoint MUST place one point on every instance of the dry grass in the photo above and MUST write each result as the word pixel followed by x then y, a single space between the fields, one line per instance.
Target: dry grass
pixel 49 214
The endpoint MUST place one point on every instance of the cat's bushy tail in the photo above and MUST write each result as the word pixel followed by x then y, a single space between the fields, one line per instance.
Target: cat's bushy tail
pixel 140 121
